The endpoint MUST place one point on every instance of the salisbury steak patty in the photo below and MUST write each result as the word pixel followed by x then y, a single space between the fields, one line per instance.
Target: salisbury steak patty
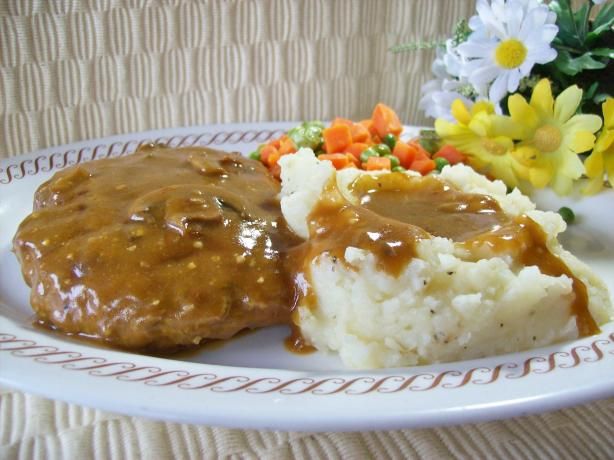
pixel 159 249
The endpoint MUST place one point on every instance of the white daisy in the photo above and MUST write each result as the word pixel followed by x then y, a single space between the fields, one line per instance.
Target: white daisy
pixel 437 98
pixel 439 93
pixel 449 60
pixel 509 37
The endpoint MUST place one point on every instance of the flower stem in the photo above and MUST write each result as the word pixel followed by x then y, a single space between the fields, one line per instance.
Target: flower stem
pixel 419 45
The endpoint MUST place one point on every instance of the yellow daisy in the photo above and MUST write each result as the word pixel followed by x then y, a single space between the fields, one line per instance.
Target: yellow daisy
pixel 552 136
pixel 602 159
pixel 485 138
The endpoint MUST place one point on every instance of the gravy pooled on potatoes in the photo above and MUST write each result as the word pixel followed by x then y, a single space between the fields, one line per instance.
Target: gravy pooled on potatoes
pixel 395 211
pixel 158 250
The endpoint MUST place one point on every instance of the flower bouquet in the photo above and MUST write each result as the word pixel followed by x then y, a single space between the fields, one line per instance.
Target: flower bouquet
pixel 524 90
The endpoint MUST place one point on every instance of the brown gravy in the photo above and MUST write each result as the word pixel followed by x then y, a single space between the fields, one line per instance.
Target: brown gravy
pixel 160 249
pixel 430 204
pixel 526 241
pixel 296 343
pixel 396 211
pixel 169 248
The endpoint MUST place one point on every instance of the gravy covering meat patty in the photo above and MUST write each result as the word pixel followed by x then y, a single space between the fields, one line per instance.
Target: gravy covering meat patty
pixel 160 249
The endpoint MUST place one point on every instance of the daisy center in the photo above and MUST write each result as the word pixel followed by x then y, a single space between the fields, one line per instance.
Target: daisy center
pixel 547 138
pixel 493 147
pixel 510 53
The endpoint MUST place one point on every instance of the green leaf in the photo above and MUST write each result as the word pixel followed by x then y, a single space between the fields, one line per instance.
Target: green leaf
pixel 590 92
pixel 563 18
pixel 605 17
pixel 573 66
pixel 603 52
pixel 605 25
pixel 594 34
pixel 580 18
pixel 602 28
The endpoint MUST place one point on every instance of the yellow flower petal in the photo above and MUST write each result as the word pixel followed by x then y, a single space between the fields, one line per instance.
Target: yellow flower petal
pixel 541 99
pixel 444 128
pixel 605 140
pixel 567 103
pixel 562 184
pixel 521 170
pixel 460 112
pixel 608 113
pixel 571 166
pixel 540 177
pixel 593 186
pixel 609 165
pixel 522 113
pixel 583 141
pixel 505 126
pixel 480 124
pixel 506 174
pixel 525 155
pixel 504 142
pixel 590 123
pixel 594 165
pixel 482 106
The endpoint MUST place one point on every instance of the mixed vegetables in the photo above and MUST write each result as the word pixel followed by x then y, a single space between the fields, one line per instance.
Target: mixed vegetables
pixel 371 144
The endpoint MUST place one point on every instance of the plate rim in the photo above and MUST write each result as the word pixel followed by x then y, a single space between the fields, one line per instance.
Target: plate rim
pixel 15 168
pixel 476 408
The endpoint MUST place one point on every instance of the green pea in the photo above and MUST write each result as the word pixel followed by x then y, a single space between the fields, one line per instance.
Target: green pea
pixel 368 152
pixel 390 141
pixel 398 169
pixel 394 161
pixel 567 214
pixel 382 150
pixel 440 163
pixel 255 155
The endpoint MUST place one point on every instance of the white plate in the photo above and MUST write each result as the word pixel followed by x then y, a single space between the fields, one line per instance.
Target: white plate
pixel 252 382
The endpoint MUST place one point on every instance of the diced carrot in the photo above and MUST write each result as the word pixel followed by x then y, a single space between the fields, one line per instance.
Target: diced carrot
pixel 356 149
pixel 339 160
pixel 366 123
pixel 275 170
pixel 385 121
pixel 337 138
pixel 266 151
pixel 342 121
pixel 273 158
pixel 353 162
pixel 450 153
pixel 405 153
pixel 359 133
pixel 370 128
pixel 276 143
pixel 424 166
pixel 421 152
pixel 376 163
pixel 287 146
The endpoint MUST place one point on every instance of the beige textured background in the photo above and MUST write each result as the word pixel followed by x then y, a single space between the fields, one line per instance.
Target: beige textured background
pixel 72 70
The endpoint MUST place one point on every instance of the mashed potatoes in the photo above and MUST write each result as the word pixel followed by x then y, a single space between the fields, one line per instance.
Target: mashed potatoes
pixel 448 302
